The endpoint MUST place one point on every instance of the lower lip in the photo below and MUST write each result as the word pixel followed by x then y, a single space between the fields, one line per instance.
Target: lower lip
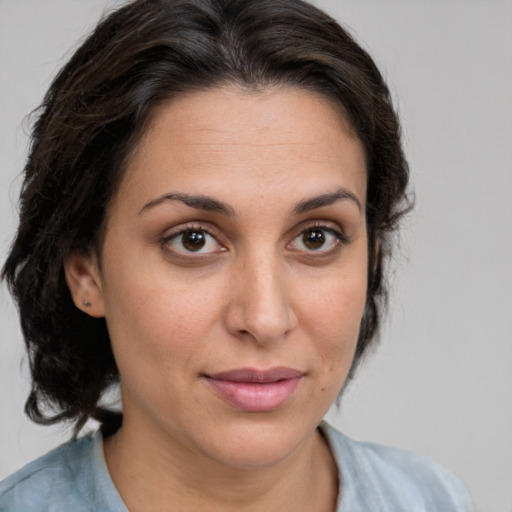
pixel 255 397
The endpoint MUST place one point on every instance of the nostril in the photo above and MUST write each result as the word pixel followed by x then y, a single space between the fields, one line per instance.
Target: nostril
pixel 259 308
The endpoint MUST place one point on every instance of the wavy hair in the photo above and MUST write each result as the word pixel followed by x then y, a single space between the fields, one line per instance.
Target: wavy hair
pixel 92 118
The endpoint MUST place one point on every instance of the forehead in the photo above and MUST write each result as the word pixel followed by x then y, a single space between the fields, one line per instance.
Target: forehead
pixel 272 105
pixel 228 134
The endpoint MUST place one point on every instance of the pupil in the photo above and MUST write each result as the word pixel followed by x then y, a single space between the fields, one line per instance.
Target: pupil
pixel 193 240
pixel 314 238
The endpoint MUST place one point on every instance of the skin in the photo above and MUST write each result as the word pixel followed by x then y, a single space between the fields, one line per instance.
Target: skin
pixel 255 296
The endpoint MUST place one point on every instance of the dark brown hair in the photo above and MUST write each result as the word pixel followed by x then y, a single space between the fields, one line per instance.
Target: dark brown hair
pixel 91 119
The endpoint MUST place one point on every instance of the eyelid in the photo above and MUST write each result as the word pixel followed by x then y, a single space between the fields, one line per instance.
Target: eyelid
pixel 328 226
pixel 332 227
pixel 192 226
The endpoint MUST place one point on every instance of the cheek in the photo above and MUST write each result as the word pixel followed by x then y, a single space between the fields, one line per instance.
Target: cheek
pixel 158 337
pixel 334 317
pixel 151 317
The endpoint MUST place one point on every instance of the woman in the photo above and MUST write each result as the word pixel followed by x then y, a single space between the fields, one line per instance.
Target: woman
pixel 205 218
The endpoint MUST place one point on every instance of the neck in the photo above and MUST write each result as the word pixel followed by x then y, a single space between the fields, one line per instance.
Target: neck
pixel 151 473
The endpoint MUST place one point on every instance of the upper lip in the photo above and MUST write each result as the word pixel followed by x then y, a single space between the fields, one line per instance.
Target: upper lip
pixel 257 376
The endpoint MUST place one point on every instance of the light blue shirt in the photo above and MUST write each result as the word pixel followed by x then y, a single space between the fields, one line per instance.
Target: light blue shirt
pixel 373 478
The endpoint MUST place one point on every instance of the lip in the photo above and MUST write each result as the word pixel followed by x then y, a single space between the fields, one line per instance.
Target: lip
pixel 254 390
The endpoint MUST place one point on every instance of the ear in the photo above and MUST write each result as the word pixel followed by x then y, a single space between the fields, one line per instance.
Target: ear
pixel 84 282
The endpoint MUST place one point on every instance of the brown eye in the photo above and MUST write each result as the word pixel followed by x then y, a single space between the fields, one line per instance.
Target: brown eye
pixel 320 239
pixel 193 241
pixel 313 238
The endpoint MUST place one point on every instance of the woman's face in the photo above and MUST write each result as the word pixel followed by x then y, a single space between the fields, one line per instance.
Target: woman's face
pixel 234 271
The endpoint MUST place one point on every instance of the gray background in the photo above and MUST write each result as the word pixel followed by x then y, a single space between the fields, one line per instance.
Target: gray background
pixel 441 381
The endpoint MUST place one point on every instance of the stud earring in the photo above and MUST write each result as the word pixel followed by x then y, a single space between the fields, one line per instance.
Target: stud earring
pixel 86 303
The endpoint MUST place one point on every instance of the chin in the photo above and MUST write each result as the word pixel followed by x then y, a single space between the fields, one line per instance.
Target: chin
pixel 258 443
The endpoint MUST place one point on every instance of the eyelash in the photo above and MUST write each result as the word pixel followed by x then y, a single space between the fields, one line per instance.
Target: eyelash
pixel 193 228
pixel 340 240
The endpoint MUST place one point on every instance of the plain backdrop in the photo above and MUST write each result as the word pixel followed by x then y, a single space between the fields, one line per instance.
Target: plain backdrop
pixel 441 381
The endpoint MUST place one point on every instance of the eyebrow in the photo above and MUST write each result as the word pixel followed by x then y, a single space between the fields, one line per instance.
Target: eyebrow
pixel 326 200
pixel 209 204
pixel 198 202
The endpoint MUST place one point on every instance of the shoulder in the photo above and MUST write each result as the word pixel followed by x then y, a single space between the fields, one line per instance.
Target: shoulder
pixel 60 480
pixel 388 479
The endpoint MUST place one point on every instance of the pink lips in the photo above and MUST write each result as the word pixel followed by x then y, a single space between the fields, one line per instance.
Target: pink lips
pixel 256 390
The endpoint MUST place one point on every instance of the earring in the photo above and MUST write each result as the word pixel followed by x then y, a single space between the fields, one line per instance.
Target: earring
pixel 86 303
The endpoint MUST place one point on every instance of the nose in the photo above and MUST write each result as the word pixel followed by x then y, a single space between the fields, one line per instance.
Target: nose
pixel 260 308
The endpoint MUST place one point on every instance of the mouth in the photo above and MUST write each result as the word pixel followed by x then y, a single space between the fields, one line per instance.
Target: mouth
pixel 253 390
